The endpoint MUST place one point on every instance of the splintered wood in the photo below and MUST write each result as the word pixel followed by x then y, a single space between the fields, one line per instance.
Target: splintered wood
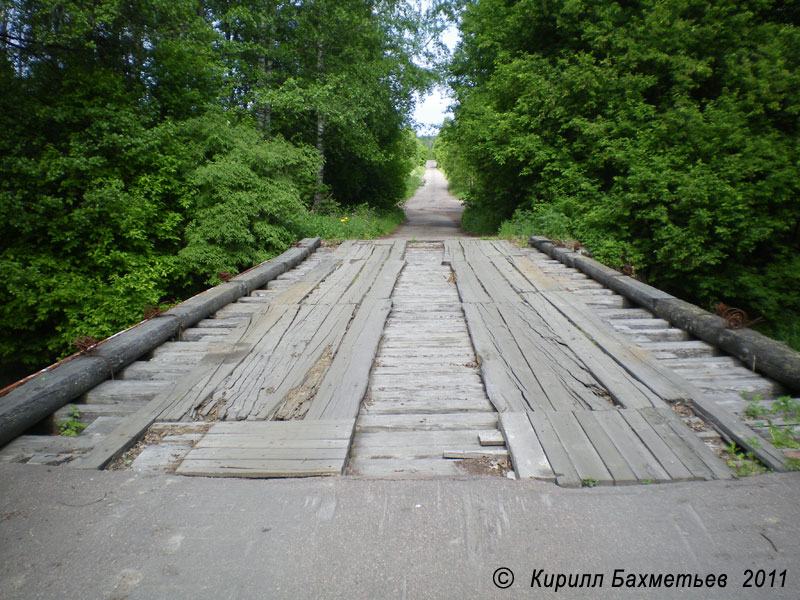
pixel 570 411
pixel 437 359
pixel 304 348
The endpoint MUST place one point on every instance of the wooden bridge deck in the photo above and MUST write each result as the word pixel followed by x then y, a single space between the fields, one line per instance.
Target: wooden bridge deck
pixel 392 359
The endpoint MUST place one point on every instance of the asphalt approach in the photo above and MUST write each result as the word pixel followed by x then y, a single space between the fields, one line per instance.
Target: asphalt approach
pixel 67 533
pixel 432 213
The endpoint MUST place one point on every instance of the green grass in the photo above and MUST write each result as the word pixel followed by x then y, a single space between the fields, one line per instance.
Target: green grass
pixel 360 222
pixel 415 179
pixel 480 221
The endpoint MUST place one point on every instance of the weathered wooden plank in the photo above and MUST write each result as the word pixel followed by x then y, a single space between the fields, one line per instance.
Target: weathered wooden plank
pixel 483 453
pixel 492 437
pixel 492 280
pixel 398 252
pixel 453 383
pixel 331 289
pixel 285 441
pixel 267 452
pixel 452 252
pixel 402 468
pixel 527 455
pixel 561 463
pixel 602 370
pixel 665 422
pixel 588 464
pixel 368 276
pixel 318 429
pixel 469 287
pixel 302 375
pixel 502 388
pixel 512 276
pixel 240 362
pixel 426 406
pixel 116 391
pixel 266 468
pixel 719 469
pixel 461 439
pixel 559 373
pixel 414 453
pixel 642 462
pixel 633 360
pixel 612 458
pixel 147 370
pixel 385 280
pixel 345 383
pixel 665 456
pixel 455 421
pixel 506 248
pixel 193 389
pixel 540 280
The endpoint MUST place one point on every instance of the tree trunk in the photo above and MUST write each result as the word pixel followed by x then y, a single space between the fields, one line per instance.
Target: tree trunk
pixel 319 193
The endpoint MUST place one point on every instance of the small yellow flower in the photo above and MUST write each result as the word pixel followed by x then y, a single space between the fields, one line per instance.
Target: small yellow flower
pixel 343 220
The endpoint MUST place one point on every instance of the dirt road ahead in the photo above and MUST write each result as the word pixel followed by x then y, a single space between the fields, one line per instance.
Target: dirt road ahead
pixel 433 213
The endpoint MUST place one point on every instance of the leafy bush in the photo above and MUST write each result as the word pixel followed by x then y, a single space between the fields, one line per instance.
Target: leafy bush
pixel 661 134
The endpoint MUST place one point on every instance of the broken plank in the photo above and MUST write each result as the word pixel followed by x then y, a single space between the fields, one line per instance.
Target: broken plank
pixel 502 391
pixel 619 384
pixel 615 345
pixel 588 464
pixel 527 455
pixel 340 393
pixel 563 468
pixel 557 370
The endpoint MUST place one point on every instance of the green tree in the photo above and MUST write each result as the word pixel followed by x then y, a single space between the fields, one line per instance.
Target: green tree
pixel 660 133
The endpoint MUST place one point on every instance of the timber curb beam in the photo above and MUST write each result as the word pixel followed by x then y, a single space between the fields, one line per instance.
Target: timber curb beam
pixel 43 393
pixel 760 353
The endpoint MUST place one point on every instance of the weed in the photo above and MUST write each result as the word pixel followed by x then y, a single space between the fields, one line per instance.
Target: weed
pixel 647 481
pixel 72 426
pixel 590 483
pixel 742 463
pixel 782 422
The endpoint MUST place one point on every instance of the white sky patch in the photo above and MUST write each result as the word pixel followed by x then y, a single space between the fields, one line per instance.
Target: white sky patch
pixel 431 110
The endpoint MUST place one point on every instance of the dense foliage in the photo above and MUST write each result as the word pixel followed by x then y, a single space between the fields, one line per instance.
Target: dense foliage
pixel 663 134
pixel 147 146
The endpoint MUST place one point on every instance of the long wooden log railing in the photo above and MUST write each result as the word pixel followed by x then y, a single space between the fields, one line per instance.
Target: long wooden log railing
pixel 38 396
pixel 762 354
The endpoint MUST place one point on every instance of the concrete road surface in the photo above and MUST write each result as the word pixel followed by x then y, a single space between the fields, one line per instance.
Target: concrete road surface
pixel 67 533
